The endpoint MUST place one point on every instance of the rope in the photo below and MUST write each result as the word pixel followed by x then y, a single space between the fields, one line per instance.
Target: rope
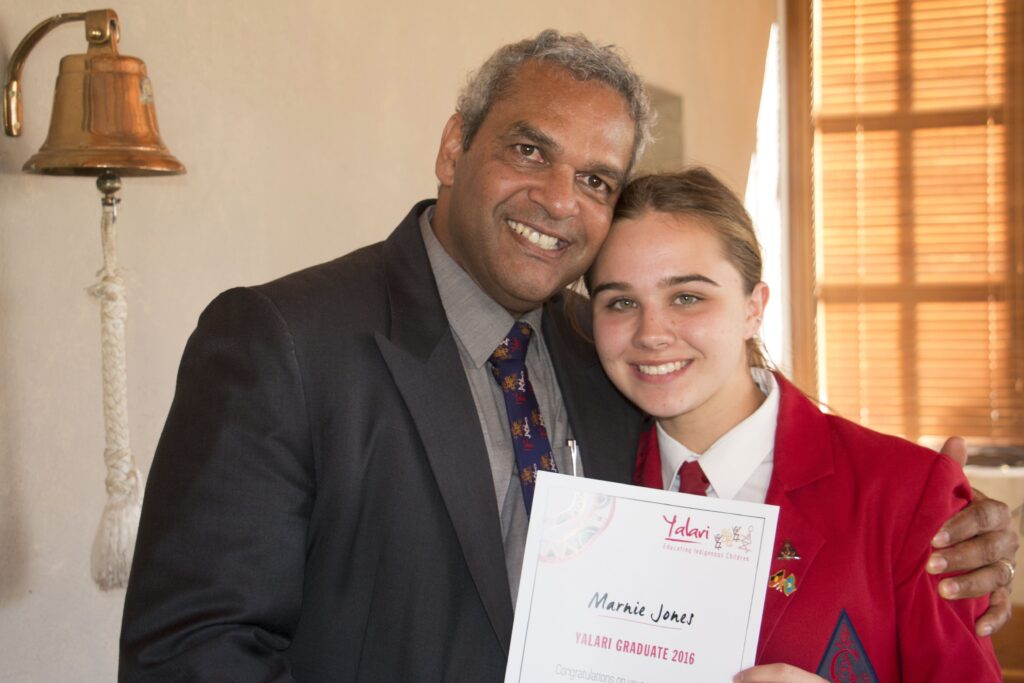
pixel 115 539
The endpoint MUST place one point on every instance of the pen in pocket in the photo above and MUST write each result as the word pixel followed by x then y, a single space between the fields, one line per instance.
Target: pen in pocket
pixel 574 452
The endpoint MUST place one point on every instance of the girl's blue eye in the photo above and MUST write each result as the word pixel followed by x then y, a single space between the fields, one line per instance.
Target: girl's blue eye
pixel 621 304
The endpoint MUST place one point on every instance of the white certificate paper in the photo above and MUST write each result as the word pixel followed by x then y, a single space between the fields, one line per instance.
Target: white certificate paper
pixel 624 584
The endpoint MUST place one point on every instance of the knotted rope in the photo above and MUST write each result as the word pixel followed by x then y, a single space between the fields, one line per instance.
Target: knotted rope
pixel 115 539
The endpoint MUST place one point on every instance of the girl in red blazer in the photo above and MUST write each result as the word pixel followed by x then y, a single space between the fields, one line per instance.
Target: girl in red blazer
pixel 678 301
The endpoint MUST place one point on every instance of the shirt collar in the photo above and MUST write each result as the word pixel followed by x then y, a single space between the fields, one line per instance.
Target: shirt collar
pixel 731 460
pixel 477 321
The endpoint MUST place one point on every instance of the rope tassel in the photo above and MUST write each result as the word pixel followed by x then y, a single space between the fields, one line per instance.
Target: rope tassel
pixel 114 544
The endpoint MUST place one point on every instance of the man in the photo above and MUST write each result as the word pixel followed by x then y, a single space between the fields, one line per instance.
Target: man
pixel 335 495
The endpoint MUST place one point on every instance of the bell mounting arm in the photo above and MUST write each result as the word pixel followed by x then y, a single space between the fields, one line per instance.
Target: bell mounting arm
pixel 101 30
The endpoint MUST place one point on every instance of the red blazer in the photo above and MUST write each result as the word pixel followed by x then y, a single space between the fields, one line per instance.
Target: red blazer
pixel 860 509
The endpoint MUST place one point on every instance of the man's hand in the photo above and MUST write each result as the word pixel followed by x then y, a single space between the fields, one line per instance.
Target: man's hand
pixel 977 540
pixel 776 673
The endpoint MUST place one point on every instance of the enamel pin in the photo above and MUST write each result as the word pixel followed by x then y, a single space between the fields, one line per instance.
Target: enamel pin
pixel 783 582
pixel 787 551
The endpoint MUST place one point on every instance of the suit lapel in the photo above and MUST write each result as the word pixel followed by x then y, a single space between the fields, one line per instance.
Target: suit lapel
pixel 424 363
pixel 803 455
pixel 604 424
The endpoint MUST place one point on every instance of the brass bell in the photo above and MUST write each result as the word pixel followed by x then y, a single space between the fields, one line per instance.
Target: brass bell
pixel 103 116
pixel 104 125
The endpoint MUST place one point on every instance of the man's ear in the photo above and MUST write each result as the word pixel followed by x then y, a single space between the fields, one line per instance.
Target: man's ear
pixel 450 151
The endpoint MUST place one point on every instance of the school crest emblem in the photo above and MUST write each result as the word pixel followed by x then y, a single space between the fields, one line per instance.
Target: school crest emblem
pixel 845 660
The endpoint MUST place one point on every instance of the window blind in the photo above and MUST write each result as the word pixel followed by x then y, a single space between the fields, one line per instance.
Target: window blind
pixel 911 175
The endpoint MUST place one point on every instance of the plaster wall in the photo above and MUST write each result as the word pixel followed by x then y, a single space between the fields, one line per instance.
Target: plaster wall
pixel 308 128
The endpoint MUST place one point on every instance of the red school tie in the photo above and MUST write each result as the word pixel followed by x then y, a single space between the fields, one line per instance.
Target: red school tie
pixel 692 479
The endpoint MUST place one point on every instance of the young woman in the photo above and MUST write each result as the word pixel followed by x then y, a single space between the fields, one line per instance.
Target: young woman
pixel 678 301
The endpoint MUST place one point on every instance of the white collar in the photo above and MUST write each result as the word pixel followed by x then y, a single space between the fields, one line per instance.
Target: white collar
pixel 732 459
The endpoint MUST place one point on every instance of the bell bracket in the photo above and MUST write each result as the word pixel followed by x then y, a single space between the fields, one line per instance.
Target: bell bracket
pixel 101 31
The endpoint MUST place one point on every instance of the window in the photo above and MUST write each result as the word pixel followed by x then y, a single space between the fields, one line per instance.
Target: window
pixel 906 200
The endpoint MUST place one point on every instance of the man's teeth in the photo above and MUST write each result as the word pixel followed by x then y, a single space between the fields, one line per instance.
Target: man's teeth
pixel 663 369
pixel 545 242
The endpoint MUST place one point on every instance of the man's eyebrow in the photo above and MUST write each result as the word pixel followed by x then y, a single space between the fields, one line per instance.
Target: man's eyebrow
pixel 616 175
pixel 522 129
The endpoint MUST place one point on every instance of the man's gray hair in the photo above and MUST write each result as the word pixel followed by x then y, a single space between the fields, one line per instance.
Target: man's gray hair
pixel 583 58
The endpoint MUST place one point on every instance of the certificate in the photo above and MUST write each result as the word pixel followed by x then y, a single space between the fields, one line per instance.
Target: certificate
pixel 624 584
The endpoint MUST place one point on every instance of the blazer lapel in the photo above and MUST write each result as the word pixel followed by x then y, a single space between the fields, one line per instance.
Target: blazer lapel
pixel 807 542
pixel 802 456
pixel 424 363
pixel 605 425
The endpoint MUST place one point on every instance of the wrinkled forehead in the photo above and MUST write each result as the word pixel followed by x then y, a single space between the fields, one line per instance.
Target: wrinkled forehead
pixel 558 84
pixel 553 89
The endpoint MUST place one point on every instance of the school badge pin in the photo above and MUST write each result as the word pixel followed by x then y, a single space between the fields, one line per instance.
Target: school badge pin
pixel 788 552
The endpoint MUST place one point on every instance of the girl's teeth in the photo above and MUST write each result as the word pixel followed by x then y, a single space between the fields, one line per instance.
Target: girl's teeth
pixel 661 369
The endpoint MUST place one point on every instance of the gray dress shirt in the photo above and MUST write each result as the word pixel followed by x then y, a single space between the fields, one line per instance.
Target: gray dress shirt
pixel 479 325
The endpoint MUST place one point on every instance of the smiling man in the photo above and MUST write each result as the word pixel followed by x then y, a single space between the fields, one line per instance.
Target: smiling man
pixel 341 490
pixel 524 208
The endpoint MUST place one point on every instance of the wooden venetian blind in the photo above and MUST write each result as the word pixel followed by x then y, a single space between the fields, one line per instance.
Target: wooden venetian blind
pixel 907 143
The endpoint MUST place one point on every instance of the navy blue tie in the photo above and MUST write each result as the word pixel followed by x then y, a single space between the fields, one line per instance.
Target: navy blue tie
pixel 529 436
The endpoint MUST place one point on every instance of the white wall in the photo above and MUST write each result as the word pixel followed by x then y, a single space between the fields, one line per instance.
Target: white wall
pixel 308 128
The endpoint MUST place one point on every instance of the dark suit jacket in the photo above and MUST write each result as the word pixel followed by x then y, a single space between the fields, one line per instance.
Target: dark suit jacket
pixel 860 508
pixel 320 506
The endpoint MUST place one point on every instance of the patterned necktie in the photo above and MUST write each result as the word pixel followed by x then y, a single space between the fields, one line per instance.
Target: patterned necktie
pixel 529 436
pixel 692 479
